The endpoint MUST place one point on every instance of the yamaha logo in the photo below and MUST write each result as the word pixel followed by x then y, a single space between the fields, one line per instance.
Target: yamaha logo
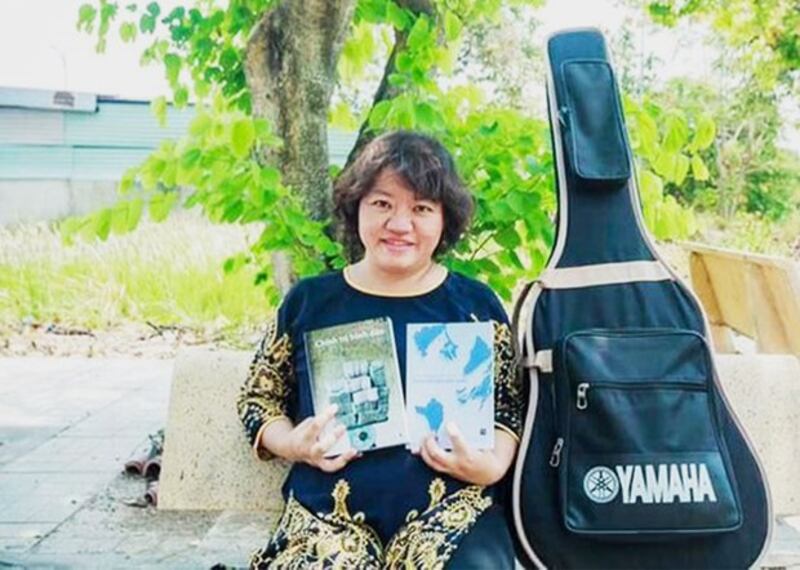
pixel 650 484
pixel 601 484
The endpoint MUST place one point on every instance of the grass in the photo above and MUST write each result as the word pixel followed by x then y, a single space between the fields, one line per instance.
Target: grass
pixel 169 274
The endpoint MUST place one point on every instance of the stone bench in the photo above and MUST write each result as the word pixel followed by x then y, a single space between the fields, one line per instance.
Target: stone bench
pixel 208 464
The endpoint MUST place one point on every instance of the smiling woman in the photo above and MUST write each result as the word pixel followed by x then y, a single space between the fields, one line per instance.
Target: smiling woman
pixel 400 205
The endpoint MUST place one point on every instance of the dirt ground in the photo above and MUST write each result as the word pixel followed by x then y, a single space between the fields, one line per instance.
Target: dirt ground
pixel 138 340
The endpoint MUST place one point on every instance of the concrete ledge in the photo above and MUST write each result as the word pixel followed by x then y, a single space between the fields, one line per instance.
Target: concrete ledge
pixel 207 463
pixel 764 391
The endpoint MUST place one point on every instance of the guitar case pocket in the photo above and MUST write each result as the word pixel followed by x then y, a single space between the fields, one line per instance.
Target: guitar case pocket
pixel 641 454
pixel 596 144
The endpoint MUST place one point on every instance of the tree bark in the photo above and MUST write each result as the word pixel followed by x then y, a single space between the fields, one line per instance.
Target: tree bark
pixel 290 66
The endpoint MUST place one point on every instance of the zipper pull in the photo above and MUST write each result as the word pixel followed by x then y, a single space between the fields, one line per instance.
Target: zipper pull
pixel 582 401
pixel 555 457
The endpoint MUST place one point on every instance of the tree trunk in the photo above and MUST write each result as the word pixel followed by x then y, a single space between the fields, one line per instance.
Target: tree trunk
pixel 290 67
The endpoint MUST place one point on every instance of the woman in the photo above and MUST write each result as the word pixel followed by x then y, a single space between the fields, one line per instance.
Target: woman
pixel 400 205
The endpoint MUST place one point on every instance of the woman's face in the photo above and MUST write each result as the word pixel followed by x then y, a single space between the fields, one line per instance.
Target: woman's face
pixel 399 231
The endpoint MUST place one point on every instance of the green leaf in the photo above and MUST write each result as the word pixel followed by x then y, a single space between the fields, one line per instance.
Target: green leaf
pixel 147 24
pixel 396 16
pixel 243 135
pixel 127 32
pixel 379 113
pixel 452 26
pixel 648 133
pixel 181 97
pixel 135 208
pixel 154 9
pixel 342 117
pixel 665 165
pixel 508 238
pixel 373 11
pixel 704 133
pixel 86 15
pixel 161 204
pixel 200 125
pixel 522 201
pixel 172 63
pixel 699 170
pixel 159 108
pixel 427 117
pixel 270 177
pixel 102 223
pixel 676 135
pixel 127 181
pixel 681 169
pixel 419 34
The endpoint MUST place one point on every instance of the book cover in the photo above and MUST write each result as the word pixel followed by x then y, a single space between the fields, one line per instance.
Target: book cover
pixel 450 377
pixel 355 366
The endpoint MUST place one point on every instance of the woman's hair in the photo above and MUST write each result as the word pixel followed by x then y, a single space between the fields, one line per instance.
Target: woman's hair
pixel 427 167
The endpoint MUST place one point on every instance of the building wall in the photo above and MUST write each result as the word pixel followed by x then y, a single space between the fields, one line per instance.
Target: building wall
pixel 56 163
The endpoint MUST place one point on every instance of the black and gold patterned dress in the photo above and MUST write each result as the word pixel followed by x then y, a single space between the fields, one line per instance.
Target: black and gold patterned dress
pixel 388 508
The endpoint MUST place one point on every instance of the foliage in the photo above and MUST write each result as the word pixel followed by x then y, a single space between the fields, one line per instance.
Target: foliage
pixel 766 33
pixel 502 153
pixel 748 172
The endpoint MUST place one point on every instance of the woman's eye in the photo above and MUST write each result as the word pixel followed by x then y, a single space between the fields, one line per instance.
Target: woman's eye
pixel 382 204
pixel 423 208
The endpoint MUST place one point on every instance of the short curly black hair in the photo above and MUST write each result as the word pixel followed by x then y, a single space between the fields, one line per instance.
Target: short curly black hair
pixel 428 168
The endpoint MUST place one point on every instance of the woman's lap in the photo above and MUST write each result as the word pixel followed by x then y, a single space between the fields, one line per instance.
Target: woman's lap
pixel 488 544
pixel 468 537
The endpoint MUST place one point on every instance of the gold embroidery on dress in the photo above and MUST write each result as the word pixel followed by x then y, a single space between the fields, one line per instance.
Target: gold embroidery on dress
pixel 436 491
pixel 265 393
pixel 336 540
pixel 428 540
pixel 339 540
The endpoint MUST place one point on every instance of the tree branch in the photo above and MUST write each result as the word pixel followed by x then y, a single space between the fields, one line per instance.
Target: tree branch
pixel 385 90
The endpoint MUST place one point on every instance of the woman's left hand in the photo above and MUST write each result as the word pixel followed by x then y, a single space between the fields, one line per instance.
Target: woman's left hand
pixel 481 467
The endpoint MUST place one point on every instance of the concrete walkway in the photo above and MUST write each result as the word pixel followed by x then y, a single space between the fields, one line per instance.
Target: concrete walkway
pixel 66 428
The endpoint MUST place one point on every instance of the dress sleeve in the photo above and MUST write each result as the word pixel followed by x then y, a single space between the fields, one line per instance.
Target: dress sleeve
pixel 507 388
pixel 266 394
pixel 508 404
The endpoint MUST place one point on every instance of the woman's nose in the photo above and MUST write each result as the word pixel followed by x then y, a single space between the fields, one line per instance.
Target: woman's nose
pixel 399 222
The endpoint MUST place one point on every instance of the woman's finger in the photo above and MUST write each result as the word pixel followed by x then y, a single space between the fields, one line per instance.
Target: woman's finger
pixel 460 446
pixel 326 441
pixel 320 421
pixel 336 463
pixel 435 456
pixel 429 461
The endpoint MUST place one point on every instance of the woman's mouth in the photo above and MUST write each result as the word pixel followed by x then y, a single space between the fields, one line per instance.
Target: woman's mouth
pixel 397 245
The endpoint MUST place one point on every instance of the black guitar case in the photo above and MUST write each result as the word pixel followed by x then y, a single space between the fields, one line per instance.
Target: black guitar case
pixel 631 456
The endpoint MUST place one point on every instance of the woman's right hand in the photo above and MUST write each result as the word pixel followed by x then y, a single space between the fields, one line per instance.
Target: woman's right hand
pixel 302 443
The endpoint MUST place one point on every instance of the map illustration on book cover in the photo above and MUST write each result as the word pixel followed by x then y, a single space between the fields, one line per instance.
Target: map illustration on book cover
pixel 450 377
pixel 355 366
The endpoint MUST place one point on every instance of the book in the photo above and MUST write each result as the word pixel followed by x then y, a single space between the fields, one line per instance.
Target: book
pixel 450 377
pixel 355 366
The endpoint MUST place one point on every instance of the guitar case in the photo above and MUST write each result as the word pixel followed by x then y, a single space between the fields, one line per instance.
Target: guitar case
pixel 631 456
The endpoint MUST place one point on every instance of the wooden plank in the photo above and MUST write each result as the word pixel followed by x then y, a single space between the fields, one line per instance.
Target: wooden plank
pixel 756 295
pixel 729 281
pixel 771 337
pixel 701 283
